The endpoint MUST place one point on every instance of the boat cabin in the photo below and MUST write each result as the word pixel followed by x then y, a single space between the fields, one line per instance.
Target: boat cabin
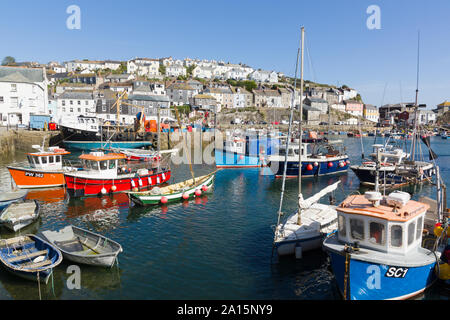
pixel 84 123
pixel 50 159
pixel 388 154
pixel 391 224
pixel 293 149
pixel 108 165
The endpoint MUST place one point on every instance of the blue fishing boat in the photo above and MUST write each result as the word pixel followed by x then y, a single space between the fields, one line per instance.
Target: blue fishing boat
pixel 7 198
pixel 29 257
pixel 377 252
pixel 318 159
pixel 93 145
pixel 245 151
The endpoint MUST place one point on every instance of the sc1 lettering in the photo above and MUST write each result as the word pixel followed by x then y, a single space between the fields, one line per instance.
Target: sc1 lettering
pixel 246 309
pixel 396 272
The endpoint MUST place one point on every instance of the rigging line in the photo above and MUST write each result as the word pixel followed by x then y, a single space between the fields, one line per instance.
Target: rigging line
pixel 288 137
pixel 311 66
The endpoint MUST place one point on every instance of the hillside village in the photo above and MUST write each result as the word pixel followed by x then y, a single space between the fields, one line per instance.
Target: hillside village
pixel 86 87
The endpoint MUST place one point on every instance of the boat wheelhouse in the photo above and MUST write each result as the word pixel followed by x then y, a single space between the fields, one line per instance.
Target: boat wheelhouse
pixel 245 151
pixel 107 173
pixel 396 169
pixel 45 169
pixel 377 252
pixel 318 159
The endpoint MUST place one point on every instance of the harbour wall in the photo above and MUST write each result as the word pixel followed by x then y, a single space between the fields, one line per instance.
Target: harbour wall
pixel 12 141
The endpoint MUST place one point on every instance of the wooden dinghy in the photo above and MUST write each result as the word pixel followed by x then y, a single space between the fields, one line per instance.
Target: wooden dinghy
pixel 19 215
pixel 175 192
pixel 85 247
pixel 7 198
pixel 29 257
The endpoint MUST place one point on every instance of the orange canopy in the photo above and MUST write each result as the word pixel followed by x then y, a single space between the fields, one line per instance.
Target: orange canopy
pixel 109 156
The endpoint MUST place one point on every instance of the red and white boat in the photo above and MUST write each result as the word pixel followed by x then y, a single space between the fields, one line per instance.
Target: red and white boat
pixel 45 169
pixel 106 174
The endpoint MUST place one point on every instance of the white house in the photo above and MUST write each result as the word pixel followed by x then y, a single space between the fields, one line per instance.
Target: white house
pixel 144 67
pixel 264 76
pixel 203 72
pixel 23 91
pixel 175 70
pixel 75 103
pixel 91 65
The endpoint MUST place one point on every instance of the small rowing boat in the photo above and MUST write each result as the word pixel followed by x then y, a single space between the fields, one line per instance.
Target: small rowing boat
pixel 9 197
pixel 19 215
pixel 175 192
pixel 29 257
pixel 83 246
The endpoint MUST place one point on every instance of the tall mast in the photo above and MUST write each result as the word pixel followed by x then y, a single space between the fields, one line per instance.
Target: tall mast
pixel 299 219
pixel 288 137
pixel 416 103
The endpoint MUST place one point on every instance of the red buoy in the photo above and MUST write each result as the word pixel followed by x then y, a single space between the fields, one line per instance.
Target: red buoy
pixel 164 200
pixel 185 196
pixel 198 192
pixel 204 188
pixel 330 164
pixel 309 167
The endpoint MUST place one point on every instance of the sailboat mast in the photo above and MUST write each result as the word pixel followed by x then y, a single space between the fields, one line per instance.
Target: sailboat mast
pixel 300 129
pixel 416 104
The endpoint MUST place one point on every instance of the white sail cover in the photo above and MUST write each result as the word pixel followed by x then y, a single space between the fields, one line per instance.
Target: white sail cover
pixel 305 204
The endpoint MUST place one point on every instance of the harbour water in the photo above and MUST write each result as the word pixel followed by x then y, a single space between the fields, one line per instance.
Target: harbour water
pixel 218 246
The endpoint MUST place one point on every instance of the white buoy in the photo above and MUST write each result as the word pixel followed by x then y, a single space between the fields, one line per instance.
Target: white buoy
pixel 103 191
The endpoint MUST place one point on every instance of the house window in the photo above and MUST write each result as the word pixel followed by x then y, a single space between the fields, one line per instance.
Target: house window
pixel 377 233
pixel 86 110
pixel 14 102
pixel 13 87
pixel 64 109
pixel 86 102
pixel 71 109
pixel 79 102
pixel 396 236
pixel 64 102
pixel 71 102
pixel 104 108
pixel 357 229
pixel 1 100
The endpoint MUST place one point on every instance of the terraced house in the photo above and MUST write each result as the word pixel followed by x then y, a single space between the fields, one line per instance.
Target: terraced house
pixel 179 93
pixel 23 91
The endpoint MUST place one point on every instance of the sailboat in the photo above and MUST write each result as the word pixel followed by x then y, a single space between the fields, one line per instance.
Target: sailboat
pixel 305 229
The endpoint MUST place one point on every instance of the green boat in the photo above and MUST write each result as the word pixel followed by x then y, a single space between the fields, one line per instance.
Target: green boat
pixel 176 192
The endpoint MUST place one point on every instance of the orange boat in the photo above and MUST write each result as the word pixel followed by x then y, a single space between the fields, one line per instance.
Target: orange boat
pixel 45 169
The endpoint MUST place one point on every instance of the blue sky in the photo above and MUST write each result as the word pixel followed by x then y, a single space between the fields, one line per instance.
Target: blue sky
pixel 381 64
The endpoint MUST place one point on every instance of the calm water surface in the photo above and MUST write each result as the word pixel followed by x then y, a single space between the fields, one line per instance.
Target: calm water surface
pixel 218 246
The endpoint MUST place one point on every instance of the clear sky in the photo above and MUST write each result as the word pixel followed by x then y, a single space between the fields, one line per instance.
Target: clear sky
pixel 379 63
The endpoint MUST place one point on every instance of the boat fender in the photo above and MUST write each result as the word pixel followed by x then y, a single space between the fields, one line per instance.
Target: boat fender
pixel 198 192
pixel 330 164
pixel 113 188
pixel 149 181
pixel 133 184
pixel 185 196
pixel 164 200
pixel 140 182
pixel 204 188
pixel 309 167
pixel 103 190
pixel 316 164
pixel 157 180
pixel 163 176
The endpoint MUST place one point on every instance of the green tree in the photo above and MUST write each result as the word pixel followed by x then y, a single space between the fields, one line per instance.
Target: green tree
pixel 162 69
pixel 8 61
pixel 190 69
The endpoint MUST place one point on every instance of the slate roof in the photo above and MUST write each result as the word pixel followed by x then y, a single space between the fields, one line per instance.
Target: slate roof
pixel 27 75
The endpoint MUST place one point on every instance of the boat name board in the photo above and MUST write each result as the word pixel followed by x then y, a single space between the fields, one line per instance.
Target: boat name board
pixel 396 272
pixel 34 174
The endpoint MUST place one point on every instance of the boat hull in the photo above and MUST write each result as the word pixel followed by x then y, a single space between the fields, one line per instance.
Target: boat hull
pixel 147 200
pixel 366 176
pixel 225 159
pixel 313 242
pixel 90 145
pixel 83 186
pixel 28 178
pixel 323 168
pixel 369 279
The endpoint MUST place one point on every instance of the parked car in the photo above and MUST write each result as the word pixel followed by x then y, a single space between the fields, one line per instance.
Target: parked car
pixel 323 123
